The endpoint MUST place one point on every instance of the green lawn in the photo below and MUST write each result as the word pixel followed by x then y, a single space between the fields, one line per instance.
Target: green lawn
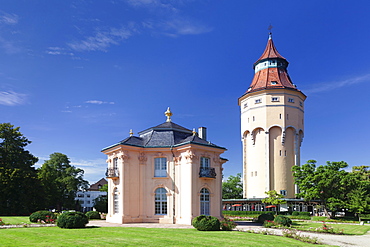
pixel 348 229
pixel 16 220
pixel 135 236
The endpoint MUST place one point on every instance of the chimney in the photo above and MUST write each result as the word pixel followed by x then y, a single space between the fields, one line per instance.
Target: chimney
pixel 202 133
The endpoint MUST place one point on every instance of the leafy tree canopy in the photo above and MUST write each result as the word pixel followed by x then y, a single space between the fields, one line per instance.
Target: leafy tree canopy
pixel 232 188
pixel 19 187
pixel 326 183
pixel 61 180
pixel 273 198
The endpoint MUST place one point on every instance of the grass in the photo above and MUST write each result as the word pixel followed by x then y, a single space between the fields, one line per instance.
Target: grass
pixel 16 220
pixel 135 236
pixel 347 228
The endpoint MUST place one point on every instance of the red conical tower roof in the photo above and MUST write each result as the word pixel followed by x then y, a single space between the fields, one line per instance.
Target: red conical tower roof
pixel 270 51
pixel 270 70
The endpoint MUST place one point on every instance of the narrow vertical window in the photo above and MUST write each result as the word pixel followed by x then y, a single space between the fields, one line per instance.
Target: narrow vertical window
pixel 255 173
pixel 160 167
pixel 253 118
pixel 280 116
pixel 280 152
pixel 160 201
pixel 115 201
pixel 287 116
pixel 115 163
pixel 204 201
pixel 285 152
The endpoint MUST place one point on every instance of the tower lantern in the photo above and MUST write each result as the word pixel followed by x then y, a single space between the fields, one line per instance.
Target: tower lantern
pixel 272 127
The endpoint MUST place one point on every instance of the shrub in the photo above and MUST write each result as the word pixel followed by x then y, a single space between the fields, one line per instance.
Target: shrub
pixel 43 217
pixel 93 215
pixel 305 213
pixel 227 224
pixel 295 213
pixel 263 217
pixel 72 220
pixel 206 223
pixel 282 220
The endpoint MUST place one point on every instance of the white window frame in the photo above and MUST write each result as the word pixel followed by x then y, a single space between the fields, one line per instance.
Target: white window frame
pixel 160 201
pixel 115 201
pixel 204 202
pixel 160 167
pixel 205 162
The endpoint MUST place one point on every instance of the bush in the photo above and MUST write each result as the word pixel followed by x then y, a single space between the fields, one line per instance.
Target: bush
pixel 43 216
pixel 93 215
pixel 295 213
pixel 206 223
pixel 72 220
pixel 305 213
pixel 227 224
pixel 263 217
pixel 282 220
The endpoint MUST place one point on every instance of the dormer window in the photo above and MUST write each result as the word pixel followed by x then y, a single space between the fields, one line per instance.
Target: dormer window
pixel 273 82
pixel 245 105
pixel 257 101
pixel 275 99
pixel 291 100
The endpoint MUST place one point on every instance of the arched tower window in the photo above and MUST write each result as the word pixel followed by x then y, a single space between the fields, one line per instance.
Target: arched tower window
pixel 160 201
pixel 115 201
pixel 204 201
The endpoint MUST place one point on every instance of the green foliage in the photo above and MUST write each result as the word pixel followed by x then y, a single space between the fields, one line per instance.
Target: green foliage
pixel 227 224
pixel 283 220
pixel 263 217
pixel 206 223
pixel 295 213
pixel 300 217
pixel 93 215
pixel 241 213
pixel 101 204
pixel 358 198
pixel 72 220
pixel 20 189
pixel 325 183
pixel 45 216
pixel 61 181
pixel 104 188
pixel 273 198
pixel 233 187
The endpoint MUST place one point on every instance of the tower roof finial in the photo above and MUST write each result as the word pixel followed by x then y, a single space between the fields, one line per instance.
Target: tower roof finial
pixel 131 132
pixel 270 32
pixel 168 114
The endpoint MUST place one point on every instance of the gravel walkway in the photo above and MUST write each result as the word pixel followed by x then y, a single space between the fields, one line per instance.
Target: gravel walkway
pixel 337 240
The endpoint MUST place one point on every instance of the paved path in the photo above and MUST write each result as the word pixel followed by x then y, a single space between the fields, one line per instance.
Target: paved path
pixel 331 239
pixel 337 240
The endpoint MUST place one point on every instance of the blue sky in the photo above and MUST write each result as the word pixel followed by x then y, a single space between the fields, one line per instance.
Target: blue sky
pixel 76 76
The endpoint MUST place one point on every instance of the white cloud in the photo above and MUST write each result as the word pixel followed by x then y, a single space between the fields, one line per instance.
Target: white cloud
pixel 11 98
pixel 94 170
pixel 178 27
pixel 328 86
pixel 58 51
pixel 99 102
pixel 104 39
pixel 9 18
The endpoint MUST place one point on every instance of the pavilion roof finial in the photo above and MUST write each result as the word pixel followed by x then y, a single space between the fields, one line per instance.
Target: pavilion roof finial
pixel 131 132
pixel 168 114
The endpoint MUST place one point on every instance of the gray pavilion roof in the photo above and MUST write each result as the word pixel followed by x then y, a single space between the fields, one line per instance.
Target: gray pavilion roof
pixel 167 134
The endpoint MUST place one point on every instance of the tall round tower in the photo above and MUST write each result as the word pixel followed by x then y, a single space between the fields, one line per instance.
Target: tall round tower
pixel 272 116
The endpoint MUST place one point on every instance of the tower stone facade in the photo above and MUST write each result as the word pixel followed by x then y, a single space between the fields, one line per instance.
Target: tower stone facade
pixel 272 127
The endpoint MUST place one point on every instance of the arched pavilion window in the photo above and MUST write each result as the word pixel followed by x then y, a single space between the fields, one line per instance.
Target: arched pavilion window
pixel 204 201
pixel 160 201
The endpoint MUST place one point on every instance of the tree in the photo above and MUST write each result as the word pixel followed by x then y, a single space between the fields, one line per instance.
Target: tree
pixel 325 183
pixel 358 199
pixel 233 187
pixel 101 202
pixel 61 181
pixel 273 198
pixel 20 189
